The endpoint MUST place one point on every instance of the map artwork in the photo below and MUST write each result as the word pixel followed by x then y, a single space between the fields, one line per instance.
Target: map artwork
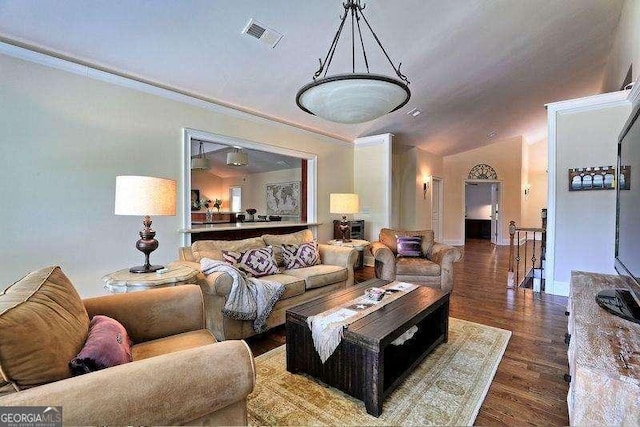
pixel 283 198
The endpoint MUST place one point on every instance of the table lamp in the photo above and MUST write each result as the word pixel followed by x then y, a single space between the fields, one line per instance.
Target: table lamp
pixel 344 203
pixel 145 195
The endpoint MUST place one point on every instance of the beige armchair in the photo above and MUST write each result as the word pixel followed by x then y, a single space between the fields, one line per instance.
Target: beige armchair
pixel 434 270
pixel 179 373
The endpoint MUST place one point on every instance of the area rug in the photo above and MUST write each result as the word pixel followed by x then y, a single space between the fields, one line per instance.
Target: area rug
pixel 447 388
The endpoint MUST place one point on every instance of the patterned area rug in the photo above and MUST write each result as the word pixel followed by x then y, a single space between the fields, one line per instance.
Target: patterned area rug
pixel 447 388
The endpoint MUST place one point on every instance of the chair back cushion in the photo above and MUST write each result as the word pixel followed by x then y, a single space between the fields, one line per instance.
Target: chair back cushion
pixel 277 240
pixel 388 238
pixel 44 325
pixel 213 248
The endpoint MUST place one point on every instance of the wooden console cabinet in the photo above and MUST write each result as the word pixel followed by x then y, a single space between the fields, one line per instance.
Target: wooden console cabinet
pixel 604 356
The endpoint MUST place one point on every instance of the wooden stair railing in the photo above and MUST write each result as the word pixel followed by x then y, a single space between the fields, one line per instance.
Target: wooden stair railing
pixel 522 273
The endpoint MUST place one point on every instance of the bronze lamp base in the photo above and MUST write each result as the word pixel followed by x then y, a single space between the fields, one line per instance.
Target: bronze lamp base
pixel 345 228
pixel 146 245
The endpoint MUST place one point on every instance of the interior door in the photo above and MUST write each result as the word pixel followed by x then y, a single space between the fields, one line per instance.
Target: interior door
pixel 495 211
pixel 436 208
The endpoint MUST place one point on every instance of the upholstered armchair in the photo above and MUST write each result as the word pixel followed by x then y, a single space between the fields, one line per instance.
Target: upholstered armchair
pixel 434 268
pixel 179 373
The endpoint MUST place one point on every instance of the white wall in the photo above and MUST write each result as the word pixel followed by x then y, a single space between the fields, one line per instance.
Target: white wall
pixel 534 166
pixel 585 221
pixel 372 182
pixel 66 136
pixel 478 201
pixel 254 187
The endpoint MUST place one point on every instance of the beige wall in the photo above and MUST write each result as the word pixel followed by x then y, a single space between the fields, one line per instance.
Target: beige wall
pixel 506 158
pixel 210 187
pixel 625 49
pixel 66 136
pixel 585 221
pixel 412 168
pixel 534 164
pixel 254 187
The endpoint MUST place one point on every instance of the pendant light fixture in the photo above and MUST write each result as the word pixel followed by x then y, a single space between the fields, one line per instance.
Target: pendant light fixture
pixel 353 97
pixel 237 158
pixel 200 162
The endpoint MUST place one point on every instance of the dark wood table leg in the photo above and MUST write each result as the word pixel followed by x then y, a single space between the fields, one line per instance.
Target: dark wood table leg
pixel 291 347
pixel 374 382
pixel 445 315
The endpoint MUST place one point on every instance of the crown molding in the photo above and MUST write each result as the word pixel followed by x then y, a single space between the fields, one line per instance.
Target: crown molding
pixel 587 103
pixel 634 94
pixel 51 59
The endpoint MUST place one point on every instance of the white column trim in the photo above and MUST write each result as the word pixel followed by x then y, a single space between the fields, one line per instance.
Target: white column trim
pixel 595 102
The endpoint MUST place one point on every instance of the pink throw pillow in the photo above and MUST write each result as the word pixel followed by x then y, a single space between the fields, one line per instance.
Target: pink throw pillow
pixel 108 344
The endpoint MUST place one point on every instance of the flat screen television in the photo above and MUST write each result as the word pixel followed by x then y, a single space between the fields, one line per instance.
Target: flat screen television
pixel 627 255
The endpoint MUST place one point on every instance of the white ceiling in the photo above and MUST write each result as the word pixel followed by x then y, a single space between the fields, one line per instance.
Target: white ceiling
pixel 258 161
pixel 474 65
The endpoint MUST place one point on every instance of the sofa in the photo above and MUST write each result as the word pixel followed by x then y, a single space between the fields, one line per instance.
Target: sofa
pixel 434 268
pixel 179 373
pixel 302 284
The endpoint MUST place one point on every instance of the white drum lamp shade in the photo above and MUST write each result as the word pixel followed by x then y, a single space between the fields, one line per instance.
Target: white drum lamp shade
pixel 145 195
pixel 237 158
pixel 344 203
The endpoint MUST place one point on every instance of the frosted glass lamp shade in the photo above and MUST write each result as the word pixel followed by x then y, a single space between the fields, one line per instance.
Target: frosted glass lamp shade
pixel 344 203
pixel 353 98
pixel 145 195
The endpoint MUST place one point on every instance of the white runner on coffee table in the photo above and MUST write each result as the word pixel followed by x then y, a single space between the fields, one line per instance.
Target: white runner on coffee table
pixel 327 327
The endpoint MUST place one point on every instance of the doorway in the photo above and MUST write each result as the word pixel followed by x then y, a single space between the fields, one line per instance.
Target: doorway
pixel 437 203
pixel 482 219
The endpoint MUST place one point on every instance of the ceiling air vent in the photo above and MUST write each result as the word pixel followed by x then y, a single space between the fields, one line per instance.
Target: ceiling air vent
pixel 257 30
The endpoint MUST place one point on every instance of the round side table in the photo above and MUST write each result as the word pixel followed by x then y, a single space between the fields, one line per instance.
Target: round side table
pixel 358 245
pixel 123 281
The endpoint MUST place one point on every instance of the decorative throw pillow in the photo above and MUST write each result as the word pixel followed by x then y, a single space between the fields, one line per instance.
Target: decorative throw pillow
pixel 254 262
pixel 300 256
pixel 108 344
pixel 409 246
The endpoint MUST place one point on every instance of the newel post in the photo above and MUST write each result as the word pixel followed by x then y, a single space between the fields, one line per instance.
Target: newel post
pixel 510 274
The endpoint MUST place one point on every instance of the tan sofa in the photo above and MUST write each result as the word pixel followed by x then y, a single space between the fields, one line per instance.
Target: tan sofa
pixel 179 374
pixel 303 284
pixel 435 269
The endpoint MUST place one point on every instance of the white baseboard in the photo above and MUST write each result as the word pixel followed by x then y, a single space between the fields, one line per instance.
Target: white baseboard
pixel 458 242
pixel 559 288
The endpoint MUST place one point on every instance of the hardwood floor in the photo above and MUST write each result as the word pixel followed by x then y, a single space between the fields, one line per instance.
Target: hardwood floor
pixel 528 388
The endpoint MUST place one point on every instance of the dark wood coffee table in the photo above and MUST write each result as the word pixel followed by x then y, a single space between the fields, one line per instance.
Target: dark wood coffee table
pixel 366 365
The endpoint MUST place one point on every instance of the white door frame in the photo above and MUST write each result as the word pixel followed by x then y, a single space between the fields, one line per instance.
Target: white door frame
pixel 464 205
pixel 440 205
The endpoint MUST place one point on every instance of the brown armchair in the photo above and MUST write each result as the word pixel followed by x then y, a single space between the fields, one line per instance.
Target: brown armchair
pixel 434 270
pixel 179 373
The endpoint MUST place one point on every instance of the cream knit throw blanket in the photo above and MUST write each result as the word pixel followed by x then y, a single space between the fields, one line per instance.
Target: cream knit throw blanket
pixel 249 298
pixel 327 327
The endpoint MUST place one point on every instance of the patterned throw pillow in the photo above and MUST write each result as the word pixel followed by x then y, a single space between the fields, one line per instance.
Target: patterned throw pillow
pixel 300 256
pixel 254 262
pixel 409 246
